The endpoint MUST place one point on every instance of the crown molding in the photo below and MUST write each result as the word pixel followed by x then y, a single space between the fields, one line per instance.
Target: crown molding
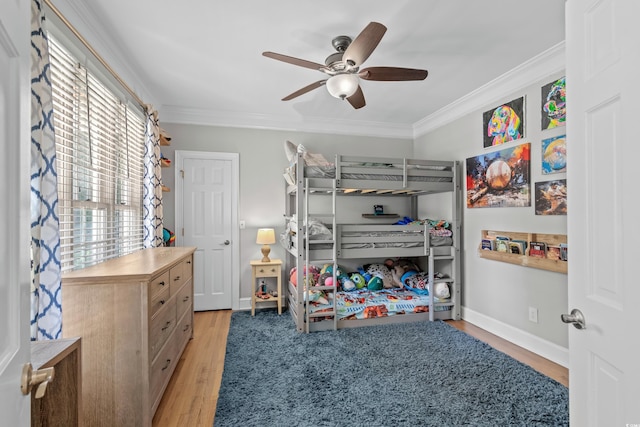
pixel 526 74
pixel 195 116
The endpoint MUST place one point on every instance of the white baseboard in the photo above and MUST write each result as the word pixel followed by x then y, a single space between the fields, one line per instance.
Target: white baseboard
pixel 245 304
pixel 546 349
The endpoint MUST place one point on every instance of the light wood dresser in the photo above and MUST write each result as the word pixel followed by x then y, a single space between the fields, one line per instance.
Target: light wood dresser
pixel 135 317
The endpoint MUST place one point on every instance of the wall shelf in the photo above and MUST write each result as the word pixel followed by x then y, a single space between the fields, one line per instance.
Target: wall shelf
pixel 525 260
pixel 380 216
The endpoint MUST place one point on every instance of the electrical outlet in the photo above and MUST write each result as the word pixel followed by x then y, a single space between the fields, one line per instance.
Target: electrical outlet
pixel 533 314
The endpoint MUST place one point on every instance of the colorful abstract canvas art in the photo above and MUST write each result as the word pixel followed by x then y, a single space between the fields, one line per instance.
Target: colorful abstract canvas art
pixel 554 155
pixel 554 104
pixel 504 123
pixel 500 178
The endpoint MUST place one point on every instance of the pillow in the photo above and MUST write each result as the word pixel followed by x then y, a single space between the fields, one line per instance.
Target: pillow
pixel 290 150
pixel 310 159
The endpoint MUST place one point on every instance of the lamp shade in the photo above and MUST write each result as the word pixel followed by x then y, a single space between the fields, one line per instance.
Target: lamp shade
pixel 342 85
pixel 266 236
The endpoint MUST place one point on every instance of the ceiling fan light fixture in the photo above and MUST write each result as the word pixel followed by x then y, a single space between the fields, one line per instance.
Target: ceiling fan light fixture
pixel 342 85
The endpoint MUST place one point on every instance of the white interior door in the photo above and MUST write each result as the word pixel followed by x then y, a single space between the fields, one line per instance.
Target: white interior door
pixel 206 217
pixel 14 214
pixel 603 92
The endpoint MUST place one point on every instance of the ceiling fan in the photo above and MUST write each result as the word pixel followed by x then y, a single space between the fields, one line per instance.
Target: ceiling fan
pixel 343 67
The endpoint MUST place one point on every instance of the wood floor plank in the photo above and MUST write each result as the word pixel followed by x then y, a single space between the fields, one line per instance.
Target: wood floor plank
pixel 192 394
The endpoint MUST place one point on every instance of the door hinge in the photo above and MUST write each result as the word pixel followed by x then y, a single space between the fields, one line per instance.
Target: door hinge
pixel 182 173
pixel 183 231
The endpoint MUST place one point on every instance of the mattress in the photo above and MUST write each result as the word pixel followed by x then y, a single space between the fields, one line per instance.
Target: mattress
pixel 366 304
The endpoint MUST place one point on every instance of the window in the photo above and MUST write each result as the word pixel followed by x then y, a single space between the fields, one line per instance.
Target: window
pixel 100 155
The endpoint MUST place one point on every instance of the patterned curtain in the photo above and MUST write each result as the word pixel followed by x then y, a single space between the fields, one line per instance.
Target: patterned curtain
pixel 152 210
pixel 46 306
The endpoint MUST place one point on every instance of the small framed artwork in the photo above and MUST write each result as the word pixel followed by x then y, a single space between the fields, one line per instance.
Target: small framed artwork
pixel 554 155
pixel 551 197
pixel 504 123
pixel 499 179
pixel 554 104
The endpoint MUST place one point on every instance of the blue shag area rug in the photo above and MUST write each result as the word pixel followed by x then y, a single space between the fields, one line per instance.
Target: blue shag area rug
pixel 416 374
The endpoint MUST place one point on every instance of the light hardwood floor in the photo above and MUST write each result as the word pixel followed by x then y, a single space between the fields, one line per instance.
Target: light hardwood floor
pixel 192 394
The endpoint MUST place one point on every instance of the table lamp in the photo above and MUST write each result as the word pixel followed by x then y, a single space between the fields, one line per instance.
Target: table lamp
pixel 266 237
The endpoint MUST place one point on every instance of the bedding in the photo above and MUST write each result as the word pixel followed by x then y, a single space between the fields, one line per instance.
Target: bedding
pixel 439 235
pixel 365 304
pixel 317 166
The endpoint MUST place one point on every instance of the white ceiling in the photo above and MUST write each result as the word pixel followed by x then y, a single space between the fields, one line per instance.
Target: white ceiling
pixel 200 61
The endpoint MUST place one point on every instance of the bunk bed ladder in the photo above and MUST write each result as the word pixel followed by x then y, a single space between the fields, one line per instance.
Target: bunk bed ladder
pixel 334 253
pixel 455 249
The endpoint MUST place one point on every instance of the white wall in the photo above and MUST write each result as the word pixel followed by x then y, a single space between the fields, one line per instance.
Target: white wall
pixel 496 292
pixel 262 162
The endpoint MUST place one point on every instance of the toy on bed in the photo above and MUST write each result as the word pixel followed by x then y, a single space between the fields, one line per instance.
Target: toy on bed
pixel 344 281
pixel 376 277
pixel 402 269
pixel 311 276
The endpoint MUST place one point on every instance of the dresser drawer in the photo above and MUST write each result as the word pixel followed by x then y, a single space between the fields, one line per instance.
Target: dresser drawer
pixel 161 369
pixel 158 284
pixel 184 330
pixel 176 277
pixel 161 327
pixel 184 300
pixel 158 301
pixel 187 268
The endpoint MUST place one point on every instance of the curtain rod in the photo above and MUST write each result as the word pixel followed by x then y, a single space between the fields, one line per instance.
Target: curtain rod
pixel 96 54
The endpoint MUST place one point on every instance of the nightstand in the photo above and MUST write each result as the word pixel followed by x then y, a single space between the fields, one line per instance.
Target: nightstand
pixel 261 270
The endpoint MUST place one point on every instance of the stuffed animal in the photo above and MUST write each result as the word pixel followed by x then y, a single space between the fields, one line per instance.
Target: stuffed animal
pixel 402 269
pixel 375 284
pixel 311 279
pixel 359 280
pixel 381 271
pixel 343 280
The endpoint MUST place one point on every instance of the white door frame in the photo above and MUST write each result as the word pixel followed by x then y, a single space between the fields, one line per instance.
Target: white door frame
pixel 15 140
pixel 235 188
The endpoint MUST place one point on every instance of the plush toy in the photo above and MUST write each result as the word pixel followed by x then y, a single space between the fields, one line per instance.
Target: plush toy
pixel 375 284
pixel 311 279
pixel 381 271
pixel 359 280
pixel 343 280
pixel 325 279
pixel 401 269
pixel 441 290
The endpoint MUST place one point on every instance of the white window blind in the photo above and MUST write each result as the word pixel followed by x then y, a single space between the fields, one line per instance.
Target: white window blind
pixel 100 154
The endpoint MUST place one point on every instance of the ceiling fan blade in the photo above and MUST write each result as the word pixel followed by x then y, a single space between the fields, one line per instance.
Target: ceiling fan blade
pixel 357 99
pixel 304 90
pixel 363 45
pixel 390 74
pixel 295 61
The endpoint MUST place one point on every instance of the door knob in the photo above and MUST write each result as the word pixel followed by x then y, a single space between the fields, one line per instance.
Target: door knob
pixel 227 242
pixel 39 378
pixel 576 318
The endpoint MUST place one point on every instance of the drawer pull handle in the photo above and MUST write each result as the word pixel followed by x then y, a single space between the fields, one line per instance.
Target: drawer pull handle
pixel 273 270
pixel 166 326
pixel 186 328
pixel 161 283
pixel 185 299
pixel 167 364
pixel 162 302
pixel 262 270
pixel 176 279
pixel 188 262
